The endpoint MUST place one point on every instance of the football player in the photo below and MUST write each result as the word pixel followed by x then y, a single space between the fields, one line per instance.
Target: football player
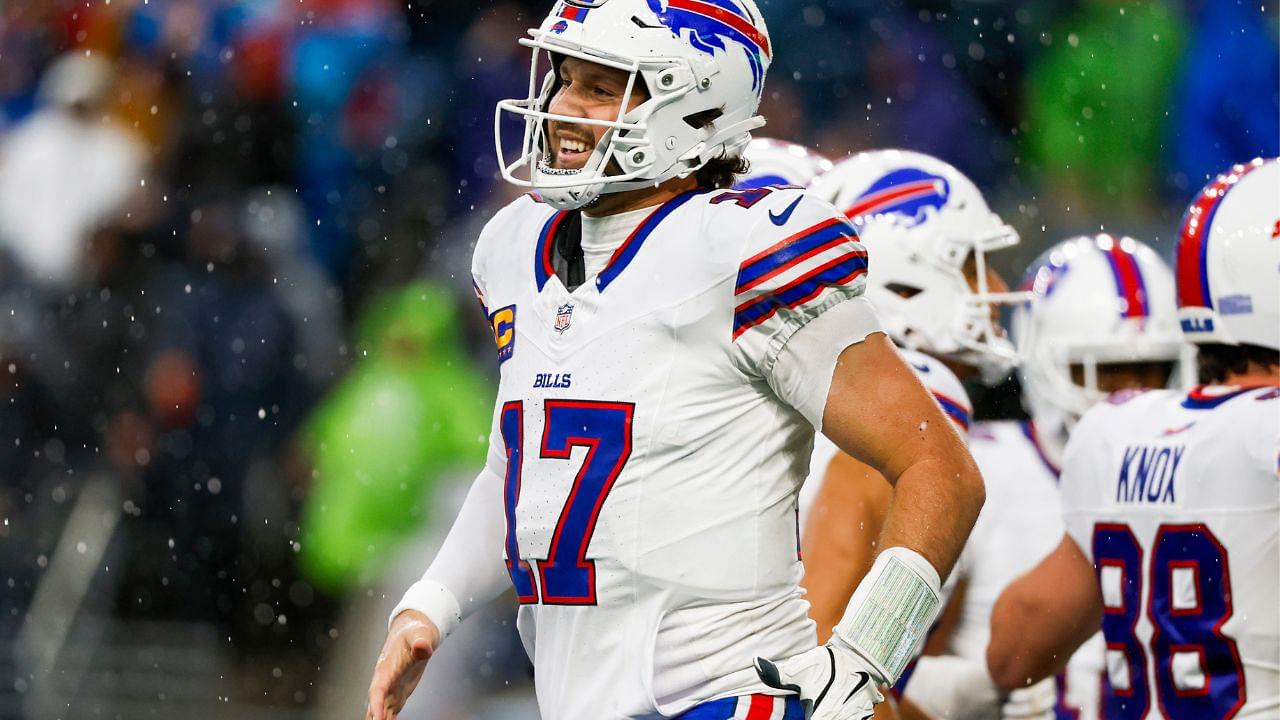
pixel 1101 319
pixel 838 544
pixel 668 347
pixel 1171 499
pixel 930 230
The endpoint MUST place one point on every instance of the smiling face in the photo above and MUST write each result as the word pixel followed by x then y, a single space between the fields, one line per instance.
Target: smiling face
pixel 587 90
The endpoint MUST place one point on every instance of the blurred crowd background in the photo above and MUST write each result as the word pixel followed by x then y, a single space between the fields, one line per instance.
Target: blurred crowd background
pixel 241 379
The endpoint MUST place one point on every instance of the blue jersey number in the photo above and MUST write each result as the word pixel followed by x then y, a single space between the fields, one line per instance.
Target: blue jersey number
pixel 566 576
pixel 1189 601
pixel 1115 548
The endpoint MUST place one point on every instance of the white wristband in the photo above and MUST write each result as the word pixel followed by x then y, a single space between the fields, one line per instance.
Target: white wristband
pixel 433 600
pixel 891 611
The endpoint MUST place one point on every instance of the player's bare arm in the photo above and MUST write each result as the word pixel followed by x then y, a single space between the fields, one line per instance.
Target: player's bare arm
pixel 878 411
pixel 841 536
pixel 839 543
pixel 1042 617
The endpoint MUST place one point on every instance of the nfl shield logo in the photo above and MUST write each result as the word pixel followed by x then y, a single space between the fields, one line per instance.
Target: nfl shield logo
pixel 564 316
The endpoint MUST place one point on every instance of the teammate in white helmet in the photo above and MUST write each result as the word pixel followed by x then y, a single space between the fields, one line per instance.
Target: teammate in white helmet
pixel 667 349
pixel 1171 499
pixel 932 230
pixel 1101 319
pixel 929 230
pixel 778 162
pixel 912 293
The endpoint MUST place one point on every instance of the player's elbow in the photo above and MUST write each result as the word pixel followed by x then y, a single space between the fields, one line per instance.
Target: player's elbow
pixel 976 489
pixel 1012 665
pixel 1009 672
pixel 971 490
pixel 1042 617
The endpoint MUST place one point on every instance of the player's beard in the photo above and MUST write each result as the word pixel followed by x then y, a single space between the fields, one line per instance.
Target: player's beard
pixel 548 164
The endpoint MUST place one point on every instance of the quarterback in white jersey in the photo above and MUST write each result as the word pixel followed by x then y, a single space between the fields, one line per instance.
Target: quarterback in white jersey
pixel 672 341
pixel 667 350
pixel 1172 500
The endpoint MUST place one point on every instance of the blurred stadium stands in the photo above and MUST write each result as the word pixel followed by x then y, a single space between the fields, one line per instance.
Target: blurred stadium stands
pixel 221 221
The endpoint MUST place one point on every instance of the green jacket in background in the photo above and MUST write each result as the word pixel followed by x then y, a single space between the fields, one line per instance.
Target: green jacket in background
pixel 410 410
pixel 1097 99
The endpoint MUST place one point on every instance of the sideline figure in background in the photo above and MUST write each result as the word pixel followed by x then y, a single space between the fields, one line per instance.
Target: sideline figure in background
pixel 668 347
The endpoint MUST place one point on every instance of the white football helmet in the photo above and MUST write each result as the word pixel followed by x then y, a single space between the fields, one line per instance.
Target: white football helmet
pixel 1094 301
pixel 1229 259
pixel 697 59
pixel 920 220
pixel 778 162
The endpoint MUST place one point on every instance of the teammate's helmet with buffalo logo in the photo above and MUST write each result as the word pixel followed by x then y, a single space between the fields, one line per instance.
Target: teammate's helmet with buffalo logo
pixel 1229 259
pixel 778 162
pixel 1095 300
pixel 921 221
pixel 701 62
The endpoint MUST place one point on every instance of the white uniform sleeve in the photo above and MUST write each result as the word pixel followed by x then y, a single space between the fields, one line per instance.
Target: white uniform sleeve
pixel 477 273
pixel 804 368
pixel 800 262
pixel 1262 443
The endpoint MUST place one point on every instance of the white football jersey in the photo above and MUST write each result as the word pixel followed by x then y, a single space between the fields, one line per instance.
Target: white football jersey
pixel 937 378
pixel 1175 498
pixel 1020 524
pixel 651 470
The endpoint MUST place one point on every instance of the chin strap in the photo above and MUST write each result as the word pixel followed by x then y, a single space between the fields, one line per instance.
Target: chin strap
pixel 728 142
pixel 568 260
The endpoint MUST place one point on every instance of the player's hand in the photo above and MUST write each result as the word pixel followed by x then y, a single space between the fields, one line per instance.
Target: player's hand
pixel 410 642
pixel 1031 703
pixel 833 683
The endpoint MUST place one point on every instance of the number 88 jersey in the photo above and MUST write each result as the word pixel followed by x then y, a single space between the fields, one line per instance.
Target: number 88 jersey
pixel 1175 498
pixel 650 467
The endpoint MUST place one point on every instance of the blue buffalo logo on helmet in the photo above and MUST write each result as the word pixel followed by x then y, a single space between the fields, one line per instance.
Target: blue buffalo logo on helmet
pixel 709 23
pixel 908 194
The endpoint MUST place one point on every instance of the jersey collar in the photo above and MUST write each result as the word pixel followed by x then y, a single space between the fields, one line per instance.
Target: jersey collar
pixel 544 269
pixel 1208 397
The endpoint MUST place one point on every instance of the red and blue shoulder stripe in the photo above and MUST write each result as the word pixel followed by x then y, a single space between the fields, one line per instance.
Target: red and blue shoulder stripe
pixel 796 270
